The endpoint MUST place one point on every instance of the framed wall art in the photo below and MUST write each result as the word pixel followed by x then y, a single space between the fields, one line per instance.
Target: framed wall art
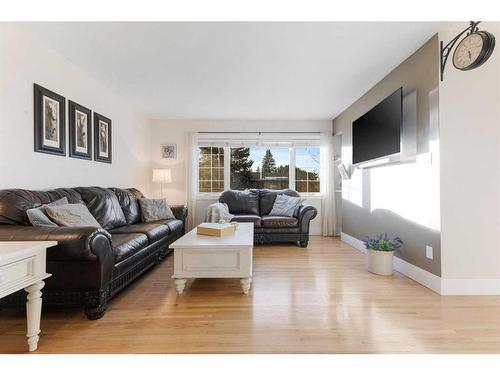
pixel 102 139
pixel 80 131
pixel 49 121
pixel 168 151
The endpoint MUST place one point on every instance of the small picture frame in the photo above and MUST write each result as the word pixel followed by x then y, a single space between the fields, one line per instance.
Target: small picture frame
pixel 169 151
pixel 80 131
pixel 49 121
pixel 102 139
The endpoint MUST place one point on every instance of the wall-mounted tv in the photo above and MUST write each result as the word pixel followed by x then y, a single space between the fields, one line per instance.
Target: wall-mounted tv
pixel 378 132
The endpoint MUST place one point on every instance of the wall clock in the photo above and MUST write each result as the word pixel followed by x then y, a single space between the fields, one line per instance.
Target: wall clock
pixel 471 52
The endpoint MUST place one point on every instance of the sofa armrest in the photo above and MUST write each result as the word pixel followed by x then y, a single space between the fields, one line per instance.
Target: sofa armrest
pixel 305 214
pixel 180 212
pixel 74 243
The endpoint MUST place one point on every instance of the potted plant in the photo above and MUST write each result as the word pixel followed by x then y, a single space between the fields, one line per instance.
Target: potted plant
pixel 380 252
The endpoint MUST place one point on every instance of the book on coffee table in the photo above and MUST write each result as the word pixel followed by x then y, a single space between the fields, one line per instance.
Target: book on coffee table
pixel 216 229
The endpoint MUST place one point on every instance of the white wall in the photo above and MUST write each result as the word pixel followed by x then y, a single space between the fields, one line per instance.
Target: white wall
pixel 178 131
pixel 24 61
pixel 469 105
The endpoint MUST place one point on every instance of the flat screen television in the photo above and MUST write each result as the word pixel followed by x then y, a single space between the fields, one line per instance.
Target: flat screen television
pixel 378 132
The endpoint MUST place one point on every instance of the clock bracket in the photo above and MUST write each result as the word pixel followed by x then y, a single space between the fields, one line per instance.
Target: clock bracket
pixel 446 50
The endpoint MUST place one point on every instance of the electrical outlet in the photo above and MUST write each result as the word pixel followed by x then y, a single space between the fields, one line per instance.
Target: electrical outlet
pixel 429 252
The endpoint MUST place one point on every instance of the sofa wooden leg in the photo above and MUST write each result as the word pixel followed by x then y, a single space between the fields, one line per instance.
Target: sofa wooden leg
pixel 96 303
pixel 303 243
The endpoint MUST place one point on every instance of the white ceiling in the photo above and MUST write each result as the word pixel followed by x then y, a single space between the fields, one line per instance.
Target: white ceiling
pixel 297 70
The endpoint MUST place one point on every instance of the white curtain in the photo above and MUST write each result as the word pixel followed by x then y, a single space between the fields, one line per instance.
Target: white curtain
pixel 192 180
pixel 327 185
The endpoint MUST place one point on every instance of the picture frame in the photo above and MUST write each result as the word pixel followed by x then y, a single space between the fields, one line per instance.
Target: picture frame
pixel 168 151
pixel 80 131
pixel 49 114
pixel 103 151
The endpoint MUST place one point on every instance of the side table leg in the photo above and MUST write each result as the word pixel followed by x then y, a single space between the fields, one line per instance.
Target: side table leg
pixel 245 284
pixel 179 285
pixel 34 312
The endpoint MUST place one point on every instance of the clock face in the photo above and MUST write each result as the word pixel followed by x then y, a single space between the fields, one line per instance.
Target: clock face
pixel 468 51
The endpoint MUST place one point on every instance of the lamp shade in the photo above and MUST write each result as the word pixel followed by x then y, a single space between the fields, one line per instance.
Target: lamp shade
pixel 163 176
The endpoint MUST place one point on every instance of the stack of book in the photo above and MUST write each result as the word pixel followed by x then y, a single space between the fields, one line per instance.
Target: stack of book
pixel 216 229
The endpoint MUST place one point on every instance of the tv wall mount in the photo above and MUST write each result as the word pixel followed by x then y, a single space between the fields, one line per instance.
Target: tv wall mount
pixel 473 49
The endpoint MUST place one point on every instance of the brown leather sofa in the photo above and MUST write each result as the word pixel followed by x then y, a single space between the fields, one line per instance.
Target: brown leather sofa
pixel 90 265
pixel 254 206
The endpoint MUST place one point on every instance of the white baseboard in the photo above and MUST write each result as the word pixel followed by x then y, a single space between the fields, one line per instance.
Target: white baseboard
pixel 418 274
pixel 439 285
pixel 354 242
pixel 470 287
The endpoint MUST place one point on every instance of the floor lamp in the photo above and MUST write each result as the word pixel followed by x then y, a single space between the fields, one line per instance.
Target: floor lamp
pixel 162 177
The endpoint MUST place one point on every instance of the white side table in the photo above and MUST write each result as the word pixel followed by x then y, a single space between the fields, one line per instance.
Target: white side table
pixel 22 266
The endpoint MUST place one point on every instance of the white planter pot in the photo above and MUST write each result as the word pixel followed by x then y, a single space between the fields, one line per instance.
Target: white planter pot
pixel 379 262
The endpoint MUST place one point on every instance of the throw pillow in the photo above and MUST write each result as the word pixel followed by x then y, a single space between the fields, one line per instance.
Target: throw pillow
pixel 154 210
pixel 285 205
pixel 72 215
pixel 38 216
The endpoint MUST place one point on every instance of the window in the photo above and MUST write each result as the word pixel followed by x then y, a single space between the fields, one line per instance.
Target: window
pixel 260 167
pixel 307 169
pixel 211 169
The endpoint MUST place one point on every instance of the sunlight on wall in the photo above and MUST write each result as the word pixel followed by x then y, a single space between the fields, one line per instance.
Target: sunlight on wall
pixel 352 189
pixel 409 190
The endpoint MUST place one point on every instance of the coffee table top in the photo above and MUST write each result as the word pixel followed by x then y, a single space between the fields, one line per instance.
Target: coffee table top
pixel 243 236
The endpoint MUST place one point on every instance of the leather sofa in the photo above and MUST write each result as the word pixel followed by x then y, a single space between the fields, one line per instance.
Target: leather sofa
pixel 90 265
pixel 254 206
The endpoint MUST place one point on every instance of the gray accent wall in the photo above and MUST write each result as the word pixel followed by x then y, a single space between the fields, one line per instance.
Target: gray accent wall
pixel 401 199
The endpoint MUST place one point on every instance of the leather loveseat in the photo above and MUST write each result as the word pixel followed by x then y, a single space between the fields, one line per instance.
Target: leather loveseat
pixel 254 206
pixel 90 265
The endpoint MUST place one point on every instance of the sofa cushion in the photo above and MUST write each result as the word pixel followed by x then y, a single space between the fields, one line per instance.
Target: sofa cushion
pixel 279 222
pixel 128 199
pixel 71 215
pixel 38 216
pixel 248 219
pixel 155 209
pixel 104 206
pixel 268 196
pixel 244 202
pixel 15 202
pixel 176 226
pixel 127 244
pixel 285 205
pixel 154 232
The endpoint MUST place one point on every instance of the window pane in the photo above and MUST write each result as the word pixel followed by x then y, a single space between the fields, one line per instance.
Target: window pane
pixel 211 169
pixel 307 167
pixel 260 167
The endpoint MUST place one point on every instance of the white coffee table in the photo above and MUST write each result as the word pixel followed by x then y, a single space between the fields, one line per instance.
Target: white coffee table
pixel 198 256
pixel 22 266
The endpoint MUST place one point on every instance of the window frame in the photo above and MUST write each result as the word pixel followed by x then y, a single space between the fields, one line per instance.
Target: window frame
pixel 227 171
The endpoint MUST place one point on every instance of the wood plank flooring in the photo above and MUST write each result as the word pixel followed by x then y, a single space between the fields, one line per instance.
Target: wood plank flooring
pixel 315 300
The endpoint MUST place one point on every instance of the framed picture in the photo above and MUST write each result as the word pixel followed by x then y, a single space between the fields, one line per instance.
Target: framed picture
pixel 50 121
pixel 80 131
pixel 169 151
pixel 102 138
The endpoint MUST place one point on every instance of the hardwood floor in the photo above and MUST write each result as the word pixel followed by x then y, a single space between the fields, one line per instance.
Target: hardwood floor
pixel 315 300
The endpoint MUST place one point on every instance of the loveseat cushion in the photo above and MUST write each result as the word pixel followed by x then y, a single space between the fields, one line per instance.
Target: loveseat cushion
pixel 279 222
pixel 241 202
pixel 104 206
pixel 248 219
pixel 128 199
pixel 154 232
pixel 127 244
pixel 268 196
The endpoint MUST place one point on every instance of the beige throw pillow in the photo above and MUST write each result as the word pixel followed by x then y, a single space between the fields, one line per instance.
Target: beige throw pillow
pixel 155 209
pixel 72 215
